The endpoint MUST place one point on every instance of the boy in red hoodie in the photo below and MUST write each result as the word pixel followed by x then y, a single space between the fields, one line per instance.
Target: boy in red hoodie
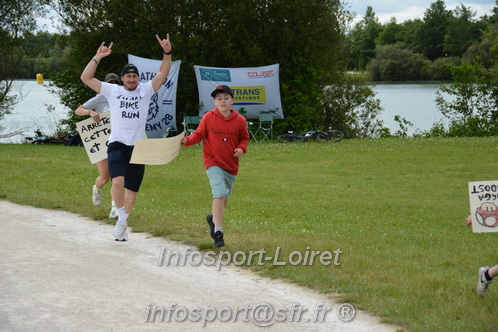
pixel 226 137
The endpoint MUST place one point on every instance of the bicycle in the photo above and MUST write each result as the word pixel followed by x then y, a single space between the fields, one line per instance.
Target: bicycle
pixel 39 138
pixel 329 136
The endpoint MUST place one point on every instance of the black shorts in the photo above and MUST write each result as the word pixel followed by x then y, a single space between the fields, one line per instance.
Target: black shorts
pixel 118 160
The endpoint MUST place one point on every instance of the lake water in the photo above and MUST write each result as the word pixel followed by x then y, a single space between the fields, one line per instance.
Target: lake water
pixel 414 102
pixel 32 111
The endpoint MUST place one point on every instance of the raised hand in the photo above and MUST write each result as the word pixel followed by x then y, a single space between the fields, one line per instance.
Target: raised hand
pixel 165 43
pixel 163 72
pixel 103 50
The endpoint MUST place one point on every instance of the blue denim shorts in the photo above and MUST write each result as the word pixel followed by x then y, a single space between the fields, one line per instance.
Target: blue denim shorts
pixel 221 181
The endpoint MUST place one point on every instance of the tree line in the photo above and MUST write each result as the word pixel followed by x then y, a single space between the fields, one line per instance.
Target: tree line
pixel 420 49
pixel 315 49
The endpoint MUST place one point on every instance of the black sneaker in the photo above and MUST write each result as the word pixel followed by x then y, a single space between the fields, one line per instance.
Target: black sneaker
pixel 209 219
pixel 218 239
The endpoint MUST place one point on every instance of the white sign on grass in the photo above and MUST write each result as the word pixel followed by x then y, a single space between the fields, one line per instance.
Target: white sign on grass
pixel 484 206
pixel 95 136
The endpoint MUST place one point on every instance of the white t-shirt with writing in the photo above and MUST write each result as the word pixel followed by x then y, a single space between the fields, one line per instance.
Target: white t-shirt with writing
pixel 129 111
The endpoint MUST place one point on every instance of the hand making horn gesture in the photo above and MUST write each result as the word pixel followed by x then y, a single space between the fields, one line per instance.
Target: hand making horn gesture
pixel 165 44
pixel 103 50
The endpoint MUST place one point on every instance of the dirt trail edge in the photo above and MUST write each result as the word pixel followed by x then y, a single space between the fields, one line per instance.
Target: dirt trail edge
pixel 63 272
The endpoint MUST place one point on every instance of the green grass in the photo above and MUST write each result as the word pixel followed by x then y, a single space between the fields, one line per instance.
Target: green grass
pixel 395 208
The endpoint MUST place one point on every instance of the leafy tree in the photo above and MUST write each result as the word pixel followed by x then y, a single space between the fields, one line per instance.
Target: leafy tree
pixel 363 38
pixel 391 34
pixel 463 31
pixel 479 52
pixel 474 112
pixel 307 43
pixel 350 106
pixel 43 50
pixel 17 18
pixel 38 44
pixel 411 30
pixel 430 37
pixel 440 37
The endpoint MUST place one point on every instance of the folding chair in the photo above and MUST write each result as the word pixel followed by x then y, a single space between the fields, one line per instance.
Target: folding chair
pixel 265 127
pixel 168 131
pixel 190 120
pixel 193 121
pixel 252 127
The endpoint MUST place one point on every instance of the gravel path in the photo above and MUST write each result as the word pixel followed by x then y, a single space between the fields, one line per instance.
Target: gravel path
pixel 63 272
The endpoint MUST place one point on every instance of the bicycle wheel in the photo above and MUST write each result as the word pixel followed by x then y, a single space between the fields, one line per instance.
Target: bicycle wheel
pixel 335 135
pixel 323 137
pixel 289 138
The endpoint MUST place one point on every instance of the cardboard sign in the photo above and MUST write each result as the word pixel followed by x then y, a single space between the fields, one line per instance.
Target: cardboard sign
pixel 484 206
pixel 156 151
pixel 95 136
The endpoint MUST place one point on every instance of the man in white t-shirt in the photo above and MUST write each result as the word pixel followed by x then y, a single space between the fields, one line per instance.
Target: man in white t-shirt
pixel 129 105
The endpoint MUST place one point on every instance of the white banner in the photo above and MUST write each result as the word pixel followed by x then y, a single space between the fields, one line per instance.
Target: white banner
pixel 162 109
pixel 256 89
pixel 95 135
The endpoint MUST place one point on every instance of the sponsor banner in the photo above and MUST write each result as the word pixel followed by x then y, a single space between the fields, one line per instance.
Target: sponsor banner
pixel 162 109
pixel 256 89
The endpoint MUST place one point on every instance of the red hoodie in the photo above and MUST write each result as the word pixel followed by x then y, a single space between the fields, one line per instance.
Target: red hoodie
pixel 221 137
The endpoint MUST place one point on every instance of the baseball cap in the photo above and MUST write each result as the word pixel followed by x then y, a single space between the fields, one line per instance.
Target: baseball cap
pixel 129 69
pixel 222 88
pixel 112 77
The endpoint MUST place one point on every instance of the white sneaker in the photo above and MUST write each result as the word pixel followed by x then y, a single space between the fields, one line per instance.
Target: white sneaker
pixel 120 233
pixel 482 283
pixel 96 196
pixel 125 236
pixel 113 214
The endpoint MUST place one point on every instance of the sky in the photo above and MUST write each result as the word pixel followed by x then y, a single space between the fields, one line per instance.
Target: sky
pixel 49 22
pixel 405 10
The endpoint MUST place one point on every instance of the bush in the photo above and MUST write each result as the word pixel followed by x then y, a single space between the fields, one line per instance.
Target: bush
pixel 393 63
pixel 351 107
pixel 474 111
pixel 440 69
